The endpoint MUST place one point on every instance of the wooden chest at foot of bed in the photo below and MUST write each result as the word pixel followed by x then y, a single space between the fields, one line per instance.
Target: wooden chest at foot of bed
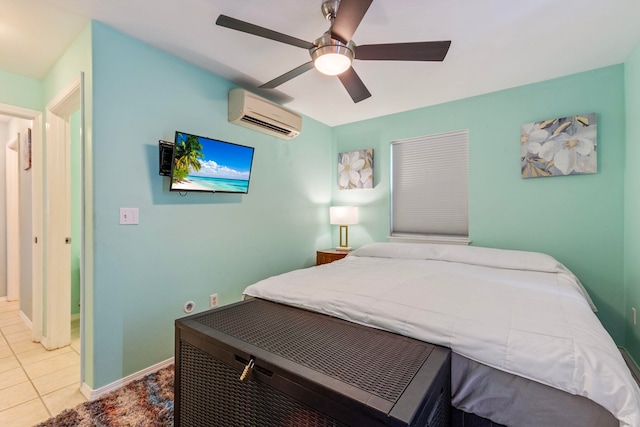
pixel 305 369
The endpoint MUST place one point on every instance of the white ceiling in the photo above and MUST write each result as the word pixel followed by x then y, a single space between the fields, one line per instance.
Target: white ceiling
pixel 496 44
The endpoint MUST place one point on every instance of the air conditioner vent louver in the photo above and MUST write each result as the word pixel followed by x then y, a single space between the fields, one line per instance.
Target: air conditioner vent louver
pixel 254 112
pixel 262 123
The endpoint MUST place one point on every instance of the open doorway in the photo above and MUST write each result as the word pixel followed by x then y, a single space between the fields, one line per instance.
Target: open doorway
pixel 21 132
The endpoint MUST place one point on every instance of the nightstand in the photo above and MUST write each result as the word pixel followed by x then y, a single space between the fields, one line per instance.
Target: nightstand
pixel 326 256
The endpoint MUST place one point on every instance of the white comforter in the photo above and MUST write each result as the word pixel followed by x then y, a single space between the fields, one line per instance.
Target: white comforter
pixel 520 312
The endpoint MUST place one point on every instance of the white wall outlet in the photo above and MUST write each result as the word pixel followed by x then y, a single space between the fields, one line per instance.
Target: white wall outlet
pixel 634 317
pixel 214 300
pixel 189 306
pixel 128 216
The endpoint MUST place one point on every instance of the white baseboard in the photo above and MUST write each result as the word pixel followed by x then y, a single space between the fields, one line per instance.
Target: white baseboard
pixel 3 299
pixel 91 394
pixel 25 319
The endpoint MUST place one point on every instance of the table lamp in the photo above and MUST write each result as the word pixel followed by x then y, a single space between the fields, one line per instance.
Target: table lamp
pixel 343 216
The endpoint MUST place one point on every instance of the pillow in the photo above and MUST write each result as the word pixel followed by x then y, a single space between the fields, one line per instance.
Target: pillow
pixel 489 257
pixel 400 250
pixel 474 255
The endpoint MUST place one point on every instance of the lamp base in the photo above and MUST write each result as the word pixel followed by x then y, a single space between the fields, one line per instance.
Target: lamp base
pixel 343 248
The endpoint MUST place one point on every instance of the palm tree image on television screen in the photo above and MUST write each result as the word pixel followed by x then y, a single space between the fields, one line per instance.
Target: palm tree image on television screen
pixel 204 164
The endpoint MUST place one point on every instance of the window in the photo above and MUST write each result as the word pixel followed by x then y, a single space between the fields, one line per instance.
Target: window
pixel 429 184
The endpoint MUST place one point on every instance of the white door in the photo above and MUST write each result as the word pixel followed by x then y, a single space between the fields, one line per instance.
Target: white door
pixel 58 232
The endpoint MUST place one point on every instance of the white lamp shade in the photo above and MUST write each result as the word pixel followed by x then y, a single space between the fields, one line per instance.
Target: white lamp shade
pixel 343 215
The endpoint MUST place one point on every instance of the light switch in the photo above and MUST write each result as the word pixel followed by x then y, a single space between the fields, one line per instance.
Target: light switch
pixel 129 216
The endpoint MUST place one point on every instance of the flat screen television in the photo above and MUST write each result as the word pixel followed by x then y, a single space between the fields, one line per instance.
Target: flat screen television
pixel 210 165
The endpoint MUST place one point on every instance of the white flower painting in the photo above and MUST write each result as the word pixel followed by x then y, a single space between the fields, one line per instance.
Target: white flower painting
pixel 556 147
pixel 355 169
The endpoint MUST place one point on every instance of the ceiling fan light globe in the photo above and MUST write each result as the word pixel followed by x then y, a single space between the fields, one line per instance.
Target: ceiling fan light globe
pixel 333 59
pixel 332 64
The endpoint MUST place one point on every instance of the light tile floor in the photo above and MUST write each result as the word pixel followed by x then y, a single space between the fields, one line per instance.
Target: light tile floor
pixel 35 384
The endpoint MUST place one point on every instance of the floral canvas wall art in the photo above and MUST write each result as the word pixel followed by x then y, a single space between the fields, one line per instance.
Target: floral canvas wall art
pixel 557 147
pixel 355 169
pixel 26 151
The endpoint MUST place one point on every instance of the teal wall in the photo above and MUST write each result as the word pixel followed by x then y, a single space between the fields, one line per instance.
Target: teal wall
pixel 76 59
pixel 21 91
pixel 185 248
pixel 577 219
pixel 632 201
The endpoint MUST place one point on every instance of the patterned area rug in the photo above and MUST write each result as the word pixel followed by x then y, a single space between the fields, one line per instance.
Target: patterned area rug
pixel 147 402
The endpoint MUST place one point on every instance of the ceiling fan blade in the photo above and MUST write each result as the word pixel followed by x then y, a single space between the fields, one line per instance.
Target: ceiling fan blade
pixel 418 51
pixel 245 27
pixel 288 76
pixel 348 17
pixel 352 83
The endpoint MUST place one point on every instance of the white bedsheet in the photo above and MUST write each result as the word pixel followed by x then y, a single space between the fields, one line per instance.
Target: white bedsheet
pixel 520 312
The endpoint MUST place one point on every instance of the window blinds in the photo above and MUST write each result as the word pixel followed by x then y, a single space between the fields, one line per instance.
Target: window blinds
pixel 430 185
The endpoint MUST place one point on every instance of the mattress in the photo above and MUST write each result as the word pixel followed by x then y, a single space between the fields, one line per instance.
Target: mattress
pixel 520 313
pixel 511 400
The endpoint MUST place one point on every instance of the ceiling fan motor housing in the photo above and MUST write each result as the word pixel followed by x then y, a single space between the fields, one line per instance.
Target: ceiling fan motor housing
pixel 342 53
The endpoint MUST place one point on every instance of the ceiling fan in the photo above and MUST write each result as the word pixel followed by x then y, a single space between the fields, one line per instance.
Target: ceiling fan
pixel 334 51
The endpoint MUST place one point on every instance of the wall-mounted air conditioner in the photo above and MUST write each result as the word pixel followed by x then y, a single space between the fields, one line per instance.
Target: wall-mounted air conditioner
pixel 251 111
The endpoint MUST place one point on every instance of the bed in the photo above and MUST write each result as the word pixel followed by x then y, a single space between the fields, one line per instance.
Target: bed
pixel 527 347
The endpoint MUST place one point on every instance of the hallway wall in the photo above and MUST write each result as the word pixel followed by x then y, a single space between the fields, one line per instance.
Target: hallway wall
pixel 4 139
pixel 21 126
